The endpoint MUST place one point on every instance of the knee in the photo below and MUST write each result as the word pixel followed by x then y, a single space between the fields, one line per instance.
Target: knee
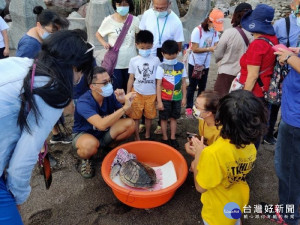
pixel 88 148
pixel 130 124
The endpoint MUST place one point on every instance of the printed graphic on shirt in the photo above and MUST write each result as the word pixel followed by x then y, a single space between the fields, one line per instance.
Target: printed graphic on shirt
pixel 237 171
pixel 146 74
pixel 172 82
pixel 207 42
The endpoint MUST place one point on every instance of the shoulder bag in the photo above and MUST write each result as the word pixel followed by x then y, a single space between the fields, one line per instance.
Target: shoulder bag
pixel 111 56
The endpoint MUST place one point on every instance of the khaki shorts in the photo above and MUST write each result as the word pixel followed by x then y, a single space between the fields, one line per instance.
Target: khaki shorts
pixel 143 103
pixel 104 140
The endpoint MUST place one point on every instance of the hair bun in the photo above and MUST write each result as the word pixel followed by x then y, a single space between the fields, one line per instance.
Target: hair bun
pixel 38 9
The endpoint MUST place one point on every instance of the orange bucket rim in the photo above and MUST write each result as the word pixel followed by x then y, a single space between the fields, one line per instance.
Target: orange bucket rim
pixel 124 190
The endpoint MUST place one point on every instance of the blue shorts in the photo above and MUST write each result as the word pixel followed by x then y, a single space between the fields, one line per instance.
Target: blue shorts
pixel 9 214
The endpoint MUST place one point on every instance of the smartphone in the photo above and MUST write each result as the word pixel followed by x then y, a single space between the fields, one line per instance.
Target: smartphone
pixel 277 47
pixel 190 135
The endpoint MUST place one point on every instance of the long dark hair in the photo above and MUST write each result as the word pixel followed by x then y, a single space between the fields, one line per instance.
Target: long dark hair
pixel 243 118
pixel 62 51
pixel 205 24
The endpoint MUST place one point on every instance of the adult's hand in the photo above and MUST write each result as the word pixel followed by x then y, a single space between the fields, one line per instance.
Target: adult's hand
pixel 6 52
pixel 129 99
pixel 190 149
pixel 120 95
pixel 283 55
pixel 295 50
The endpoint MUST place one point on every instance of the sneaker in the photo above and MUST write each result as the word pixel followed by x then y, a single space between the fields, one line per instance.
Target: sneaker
pixel 167 142
pixel 60 138
pixel 142 128
pixel 174 143
pixel 87 169
pixel 189 113
pixel 269 140
pixel 158 130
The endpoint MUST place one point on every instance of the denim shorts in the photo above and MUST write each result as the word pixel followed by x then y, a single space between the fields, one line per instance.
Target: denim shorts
pixel 172 109
pixel 104 140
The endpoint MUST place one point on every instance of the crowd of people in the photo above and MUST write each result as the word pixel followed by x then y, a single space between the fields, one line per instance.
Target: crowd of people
pixel 55 67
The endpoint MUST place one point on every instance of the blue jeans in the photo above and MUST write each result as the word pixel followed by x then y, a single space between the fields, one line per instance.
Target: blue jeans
pixel 287 166
pixel 120 79
pixel 9 214
pixel 193 83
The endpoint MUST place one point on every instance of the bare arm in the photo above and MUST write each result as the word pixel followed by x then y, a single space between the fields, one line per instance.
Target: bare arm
pixel 158 95
pixel 253 73
pixel 6 42
pixel 102 41
pixel 130 83
pixel 102 123
pixel 293 60
pixel 198 146
pixel 196 49
pixel 183 89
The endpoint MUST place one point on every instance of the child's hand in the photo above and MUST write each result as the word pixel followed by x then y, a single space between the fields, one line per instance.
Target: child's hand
pixel 190 149
pixel 183 102
pixel 160 106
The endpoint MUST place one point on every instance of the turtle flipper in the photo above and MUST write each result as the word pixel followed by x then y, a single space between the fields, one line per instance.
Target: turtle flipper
pixel 115 171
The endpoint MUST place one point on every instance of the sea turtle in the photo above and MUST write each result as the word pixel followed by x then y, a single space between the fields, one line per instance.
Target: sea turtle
pixel 138 175
pixel 132 172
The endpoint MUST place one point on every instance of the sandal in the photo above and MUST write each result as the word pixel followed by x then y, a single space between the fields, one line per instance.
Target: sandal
pixel 174 143
pixel 189 113
pixel 87 169
pixel 158 130
pixel 142 128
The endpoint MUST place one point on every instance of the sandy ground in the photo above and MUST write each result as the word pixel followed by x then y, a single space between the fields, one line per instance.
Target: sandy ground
pixel 74 200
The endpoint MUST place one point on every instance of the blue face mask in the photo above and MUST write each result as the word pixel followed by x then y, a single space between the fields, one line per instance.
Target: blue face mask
pixel 170 62
pixel 107 90
pixel 123 10
pixel 144 52
pixel 45 35
pixel 211 29
pixel 161 14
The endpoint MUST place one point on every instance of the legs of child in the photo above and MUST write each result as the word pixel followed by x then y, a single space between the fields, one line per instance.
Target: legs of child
pixel 164 124
pixel 148 123
pixel 136 132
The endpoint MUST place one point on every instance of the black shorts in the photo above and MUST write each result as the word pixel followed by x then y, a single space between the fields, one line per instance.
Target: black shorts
pixel 172 109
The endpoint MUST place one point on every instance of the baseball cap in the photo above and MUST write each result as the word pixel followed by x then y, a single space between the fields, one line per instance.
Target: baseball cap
pixel 217 18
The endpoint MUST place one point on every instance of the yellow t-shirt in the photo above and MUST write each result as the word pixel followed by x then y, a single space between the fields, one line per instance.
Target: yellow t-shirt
pixel 210 133
pixel 221 170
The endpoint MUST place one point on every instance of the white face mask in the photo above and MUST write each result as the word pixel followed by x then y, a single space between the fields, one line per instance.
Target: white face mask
pixel 197 113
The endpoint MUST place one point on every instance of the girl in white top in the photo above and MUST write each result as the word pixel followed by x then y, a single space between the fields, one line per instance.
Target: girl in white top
pixel 204 39
pixel 111 27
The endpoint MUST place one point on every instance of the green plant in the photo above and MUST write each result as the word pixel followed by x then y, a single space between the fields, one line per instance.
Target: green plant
pixel 141 6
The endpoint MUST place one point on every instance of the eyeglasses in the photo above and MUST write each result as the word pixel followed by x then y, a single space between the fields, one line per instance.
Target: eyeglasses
pixel 104 83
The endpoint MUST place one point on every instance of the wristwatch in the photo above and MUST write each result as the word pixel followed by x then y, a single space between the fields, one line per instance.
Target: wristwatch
pixel 287 58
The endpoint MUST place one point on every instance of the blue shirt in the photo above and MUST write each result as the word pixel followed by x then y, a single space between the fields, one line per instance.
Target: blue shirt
pixel 19 149
pixel 281 34
pixel 87 106
pixel 28 47
pixel 290 105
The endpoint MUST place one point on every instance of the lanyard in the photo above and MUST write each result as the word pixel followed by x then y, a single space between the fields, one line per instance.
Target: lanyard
pixel 160 34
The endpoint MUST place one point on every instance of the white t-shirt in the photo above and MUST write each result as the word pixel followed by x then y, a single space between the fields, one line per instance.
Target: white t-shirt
pixel 3 26
pixel 144 70
pixel 112 29
pixel 208 39
pixel 173 28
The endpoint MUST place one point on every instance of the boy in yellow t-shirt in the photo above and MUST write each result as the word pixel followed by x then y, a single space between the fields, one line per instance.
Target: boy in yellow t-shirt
pixel 220 169
pixel 204 110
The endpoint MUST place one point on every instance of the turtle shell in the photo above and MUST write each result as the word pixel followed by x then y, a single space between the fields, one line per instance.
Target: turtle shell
pixel 136 174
